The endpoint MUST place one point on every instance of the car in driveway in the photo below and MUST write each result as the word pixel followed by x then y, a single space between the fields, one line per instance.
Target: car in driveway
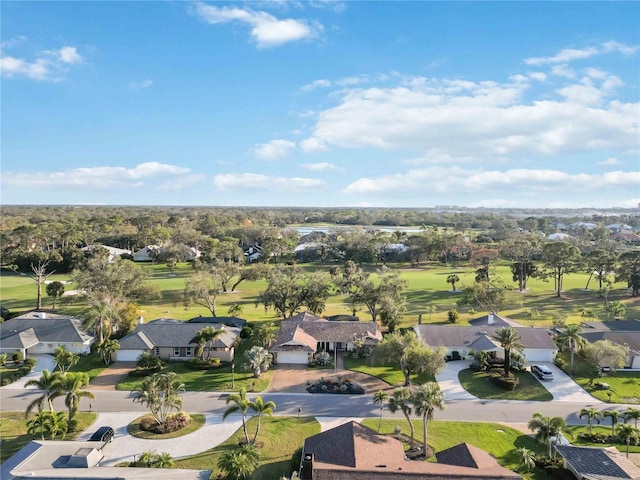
pixel 103 434
pixel 542 372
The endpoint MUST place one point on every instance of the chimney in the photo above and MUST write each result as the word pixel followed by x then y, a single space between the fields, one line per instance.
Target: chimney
pixel 306 469
pixel 140 320
pixel 490 319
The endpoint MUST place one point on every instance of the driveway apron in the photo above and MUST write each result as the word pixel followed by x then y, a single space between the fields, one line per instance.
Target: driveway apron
pixel 563 388
pixel 450 384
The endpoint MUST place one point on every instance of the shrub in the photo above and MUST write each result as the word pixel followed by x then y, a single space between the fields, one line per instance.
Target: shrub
pixel 453 315
pixel 17 357
pixel 24 370
pixel 148 361
pixel 508 383
pixel 5 381
pixel 560 362
pixel 143 372
pixel 3 359
pixel 323 358
pixel 247 331
pixel 200 364
pixel 30 362
pixel 296 458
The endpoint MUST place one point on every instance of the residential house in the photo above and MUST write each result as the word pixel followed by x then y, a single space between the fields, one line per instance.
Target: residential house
pixel 303 335
pixel 113 251
pixel 622 332
pixel 459 341
pixel 152 252
pixel 252 253
pixel 494 320
pixel 627 237
pixel 42 332
pixel 597 463
pixel 355 452
pixel 227 321
pixel 146 254
pixel 60 459
pixel 172 340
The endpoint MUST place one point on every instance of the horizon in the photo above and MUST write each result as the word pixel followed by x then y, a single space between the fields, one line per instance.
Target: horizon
pixel 333 104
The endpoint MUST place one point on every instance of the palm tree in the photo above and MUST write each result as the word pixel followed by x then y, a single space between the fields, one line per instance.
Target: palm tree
pixel 401 400
pixel 258 359
pixel 100 317
pixel 38 423
pixel 261 408
pixel 614 415
pixel 241 404
pixel 546 427
pixel 571 338
pixel 453 279
pixel 49 383
pixel 160 393
pixel 148 458
pixel 107 349
pixel 528 457
pixel 509 340
pixel 65 359
pixel 591 414
pixel 58 424
pixel 240 462
pixel 71 386
pixel 632 413
pixel 206 337
pixel 380 398
pixel 265 335
pixel 629 434
pixel 164 460
pixel 425 400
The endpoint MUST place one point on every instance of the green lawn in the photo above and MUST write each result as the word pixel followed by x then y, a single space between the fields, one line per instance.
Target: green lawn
pixel 573 431
pixel 625 386
pixel 91 364
pixel 281 437
pixel 8 371
pixel 390 374
pixel 13 431
pixel 480 385
pixel 499 440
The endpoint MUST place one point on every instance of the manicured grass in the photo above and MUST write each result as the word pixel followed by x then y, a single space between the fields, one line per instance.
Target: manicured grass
pixel 625 386
pixel 91 364
pixel 197 421
pixel 494 438
pixel 480 385
pixel 387 373
pixel 8 371
pixel 13 431
pixel 573 432
pixel 214 380
pixel 281 437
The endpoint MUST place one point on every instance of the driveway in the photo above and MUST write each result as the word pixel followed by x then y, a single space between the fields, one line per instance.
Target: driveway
pixel 125 447
pixel 450 384
pixel 563 388
pixel 111 376
pixel 43 362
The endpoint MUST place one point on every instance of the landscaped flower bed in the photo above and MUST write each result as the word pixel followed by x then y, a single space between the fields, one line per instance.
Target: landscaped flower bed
pixel 342 385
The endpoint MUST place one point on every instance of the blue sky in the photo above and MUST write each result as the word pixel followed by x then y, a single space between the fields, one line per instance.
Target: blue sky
pixel 321 103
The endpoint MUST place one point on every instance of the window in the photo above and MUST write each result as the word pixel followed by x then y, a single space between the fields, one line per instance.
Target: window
pixel 157 352
pixel 189 352
pixel 176 351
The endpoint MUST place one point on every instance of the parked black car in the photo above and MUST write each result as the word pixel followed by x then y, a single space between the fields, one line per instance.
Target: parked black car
pixel 103 434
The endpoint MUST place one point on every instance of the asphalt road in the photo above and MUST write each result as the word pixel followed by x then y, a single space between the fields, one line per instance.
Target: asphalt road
pixel 322 406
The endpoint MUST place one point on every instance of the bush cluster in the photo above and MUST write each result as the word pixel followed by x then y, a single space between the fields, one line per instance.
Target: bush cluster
pixel 201 364
pixel 173 424
pixel 509 383
pixel 343 385
pixel 144 372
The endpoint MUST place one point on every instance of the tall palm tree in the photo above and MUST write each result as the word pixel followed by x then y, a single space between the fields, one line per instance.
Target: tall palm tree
pixel 425 400
pixel 261 408
pixel 509 340
pixel 240 462
pixel 632 413
pixel 614 415
pixel 107 349
pixel 380 398
pixel 546 427
pixel 591 414
pixel 571 338
pixel 206 337
pixel 49 383
pixel 71 386
pixel 401 400
pixel 240 404
pixel 100 317
pixel 629 434
pixel 65 359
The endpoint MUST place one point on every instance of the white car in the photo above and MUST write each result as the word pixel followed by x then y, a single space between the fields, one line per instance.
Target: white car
pixel 542 372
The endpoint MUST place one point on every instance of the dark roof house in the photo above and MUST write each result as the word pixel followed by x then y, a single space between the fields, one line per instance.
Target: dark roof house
pixel 355 452
pixel 622 332
pixel 228 321
pixel 596 463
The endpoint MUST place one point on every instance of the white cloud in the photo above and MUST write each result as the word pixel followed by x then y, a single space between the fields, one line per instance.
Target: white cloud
pixel 140 85
pixel 316 84
pixel 563 71
pixel 266 30
pixel 94 177
pixel 254 181
pixel 274 150
pixel 48 65
pixel 569 54
pixel 320 167
pixel 313 145
pixel 610 162
pixel 539 76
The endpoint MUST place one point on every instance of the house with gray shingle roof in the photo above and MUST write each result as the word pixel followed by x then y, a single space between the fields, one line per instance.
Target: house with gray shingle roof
pixel 42 332
pixel 460 340
pixel 597 463
pixel 621 332
pixel 302 335
pixel 171 339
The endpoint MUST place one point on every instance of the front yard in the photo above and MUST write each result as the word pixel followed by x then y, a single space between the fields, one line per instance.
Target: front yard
pixel 573 432
pixel 479 384
pixel 390 374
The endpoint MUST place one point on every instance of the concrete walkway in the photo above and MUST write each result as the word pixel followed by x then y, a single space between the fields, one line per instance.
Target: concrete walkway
pixel 450 384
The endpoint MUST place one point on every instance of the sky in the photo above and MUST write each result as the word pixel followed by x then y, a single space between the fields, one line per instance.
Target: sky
pixel 321 103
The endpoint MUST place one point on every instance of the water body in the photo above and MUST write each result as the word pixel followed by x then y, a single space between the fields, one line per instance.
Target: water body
pixel 325 229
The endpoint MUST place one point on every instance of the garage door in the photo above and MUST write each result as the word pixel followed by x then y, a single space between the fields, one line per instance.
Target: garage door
pixel 539 355
pixel 128 355
pixel 299 358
